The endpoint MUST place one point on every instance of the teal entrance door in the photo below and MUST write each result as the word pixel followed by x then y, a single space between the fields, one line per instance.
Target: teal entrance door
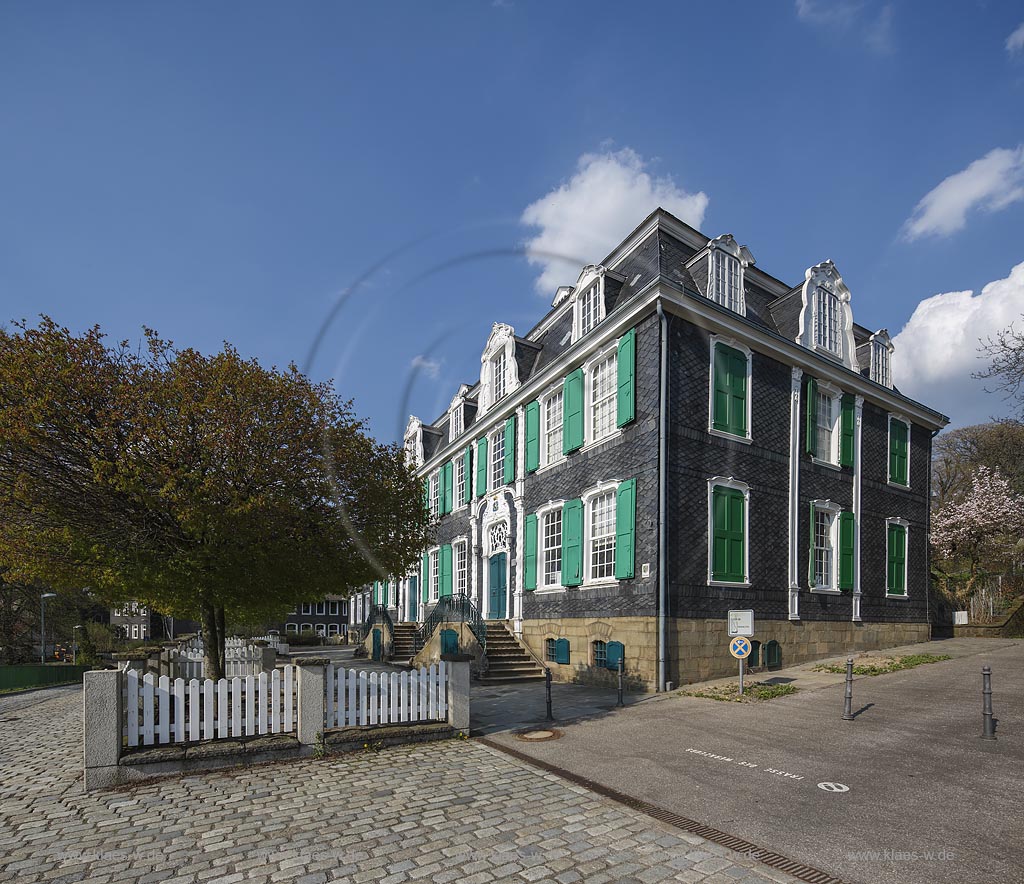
pixel 378 650
pixel 413 596
pixel 498 587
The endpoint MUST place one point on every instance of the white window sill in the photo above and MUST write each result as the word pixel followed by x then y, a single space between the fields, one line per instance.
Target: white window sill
pixel 737 585
pixel 722 434
pixel 608 582
pixel 826 590
pixel 548 590
pixel 902 596
pixel 551 464
pixel 826 463
pixel 898 485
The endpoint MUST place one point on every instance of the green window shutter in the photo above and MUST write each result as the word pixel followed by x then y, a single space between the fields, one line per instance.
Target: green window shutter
pixel 728 546
pixel 532 436
pixel 847 562
pixel 481 467
pixel 626 367
pixel 729 398
pixel 614 651
pixel 572 543
pixel 625 529
pixel 810 547
pixel 510 450
pixel 445 574
pixel 562 651
pixel 467 472
pixel 447 475
pixel 530 552
pixel 895 583
pixel 425 585
pixel 812 417
pixel 572 405
pixel 846 421
pixel 898 452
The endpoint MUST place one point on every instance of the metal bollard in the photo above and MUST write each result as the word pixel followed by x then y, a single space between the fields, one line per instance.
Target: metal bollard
pixel 622 669
pixel 988 725
pixel 547 690
pixel 848 700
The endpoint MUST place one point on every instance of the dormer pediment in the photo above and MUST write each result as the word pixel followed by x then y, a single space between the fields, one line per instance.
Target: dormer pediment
pixel 826 316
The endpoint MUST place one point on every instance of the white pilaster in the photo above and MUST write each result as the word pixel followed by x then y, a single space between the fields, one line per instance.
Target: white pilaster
pixel 794 494
pixel 858 411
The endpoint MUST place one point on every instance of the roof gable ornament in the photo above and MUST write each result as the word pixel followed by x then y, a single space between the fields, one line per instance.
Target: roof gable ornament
pixel 501 341
pixel 826 316
pixel 413 441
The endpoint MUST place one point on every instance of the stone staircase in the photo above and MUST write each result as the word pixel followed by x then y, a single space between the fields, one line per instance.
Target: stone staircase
pixel 507 659
pixel 405 646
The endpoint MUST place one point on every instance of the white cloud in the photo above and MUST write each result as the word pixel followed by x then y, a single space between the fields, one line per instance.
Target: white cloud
pixel 583 219
pixel 990 184
pixel 828 12
pixel 937 350
pixel 1015 42
pixel 430 367
pixel 858 16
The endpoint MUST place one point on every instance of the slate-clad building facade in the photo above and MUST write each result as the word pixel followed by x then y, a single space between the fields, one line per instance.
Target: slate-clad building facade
pixel 682 434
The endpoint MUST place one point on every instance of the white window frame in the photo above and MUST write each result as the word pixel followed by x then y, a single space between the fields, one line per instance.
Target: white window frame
pixel 332 629
pixel 501 340
pixel 552 506
pixel 728 482
pixel 456 425
pixel 307 609
pixel 595 291
pixel 291 628
pixel 496 467
pixel 435 493
pixel 460 584
pixel 835 395
pixel 831 323
pixel 321 609
pixel 459 482
pixel 546 457
pixel 321 630
pixel 434 562
pixel 833 509
pixel 306 627
pixel 746 351
pixel 727 292
pixel 499 379
pixel 888 447
pixel 905 525
pixel 608 352
pixel 609 487
pixel 333 609
pixel 881 361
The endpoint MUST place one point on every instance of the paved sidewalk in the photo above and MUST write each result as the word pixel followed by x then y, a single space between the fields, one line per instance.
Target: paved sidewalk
pixel 442 812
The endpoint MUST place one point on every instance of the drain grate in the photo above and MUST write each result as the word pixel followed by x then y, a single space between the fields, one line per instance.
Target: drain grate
pixel 732 842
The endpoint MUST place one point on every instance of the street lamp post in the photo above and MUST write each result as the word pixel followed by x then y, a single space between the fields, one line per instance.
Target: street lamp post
pixel 74 645
pixel 42 624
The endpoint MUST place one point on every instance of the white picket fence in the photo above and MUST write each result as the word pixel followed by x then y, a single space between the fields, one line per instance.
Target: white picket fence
pixel 368 698
pixel 162 711
pixel 241 658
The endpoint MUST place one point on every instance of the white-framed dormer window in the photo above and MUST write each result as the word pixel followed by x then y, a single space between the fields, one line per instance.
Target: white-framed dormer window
pixel 828 407
pixel 498 376
pixel 826 319
pixel 726 263
pixel 497 449
pixel 553 415
pixel 460 554
pixel 881 358
pixel 588 303
pixel 413 441
pixel 435 493
pixel 459 466
pixel 455 423
pixel 824 546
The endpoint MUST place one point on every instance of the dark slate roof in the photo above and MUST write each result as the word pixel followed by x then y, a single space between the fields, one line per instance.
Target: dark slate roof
pixel 785 313
pixel 434 438
pixel 554 341
pixel 527 353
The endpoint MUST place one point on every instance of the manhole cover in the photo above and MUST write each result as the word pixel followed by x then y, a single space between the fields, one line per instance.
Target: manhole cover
pixel 539 736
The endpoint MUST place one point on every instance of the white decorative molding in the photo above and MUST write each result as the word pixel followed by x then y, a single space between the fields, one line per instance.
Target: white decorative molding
pixel 592 274
pixel 726 244
pixel 457 414
pixel 880 358
pixel 794 493
pixel 826 276
pixel 858 469
pixel 501 339
pixel 413 441
pixel 744 488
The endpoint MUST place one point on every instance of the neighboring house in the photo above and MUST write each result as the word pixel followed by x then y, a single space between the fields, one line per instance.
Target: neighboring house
pixel 328 617
pixel 682 434
pixel 133 621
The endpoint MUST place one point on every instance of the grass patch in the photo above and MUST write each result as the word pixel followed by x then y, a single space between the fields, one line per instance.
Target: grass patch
pixel 882 665
pixel 753 692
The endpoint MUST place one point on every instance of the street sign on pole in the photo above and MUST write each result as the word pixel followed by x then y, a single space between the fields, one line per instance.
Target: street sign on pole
pixel 741 623
pixel 740 648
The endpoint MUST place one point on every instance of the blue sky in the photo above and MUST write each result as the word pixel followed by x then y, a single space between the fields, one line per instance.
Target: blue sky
pixel 230 171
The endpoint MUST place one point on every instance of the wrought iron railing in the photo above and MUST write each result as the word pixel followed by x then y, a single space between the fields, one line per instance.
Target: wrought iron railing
pixel 378 613
pixel 454 609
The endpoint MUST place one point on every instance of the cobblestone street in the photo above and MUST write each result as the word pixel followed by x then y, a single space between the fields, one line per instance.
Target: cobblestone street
pixel 451 811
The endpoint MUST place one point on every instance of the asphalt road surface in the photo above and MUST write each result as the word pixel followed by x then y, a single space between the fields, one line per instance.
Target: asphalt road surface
pixel 909 794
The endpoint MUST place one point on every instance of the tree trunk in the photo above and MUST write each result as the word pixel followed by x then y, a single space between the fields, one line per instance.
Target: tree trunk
pixel 213 641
